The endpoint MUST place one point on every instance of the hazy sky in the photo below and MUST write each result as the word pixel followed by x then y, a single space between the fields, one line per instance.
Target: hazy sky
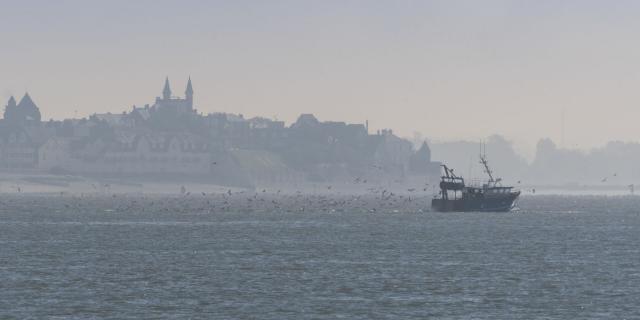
pixel 448 69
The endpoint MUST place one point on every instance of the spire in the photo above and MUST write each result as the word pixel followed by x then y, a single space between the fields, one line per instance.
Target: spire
pixel 189 91
pixel 11 110
pixel 425 147
pixel 26 102
pixel 12 102
pixel 189 95
pixel 425 151
pixel 166 92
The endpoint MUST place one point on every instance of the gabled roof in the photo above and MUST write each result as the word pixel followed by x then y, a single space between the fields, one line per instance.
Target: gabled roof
pixel 424 148
pixel 26 102
pixel 142 112
pixel 111 118
pixel 305 119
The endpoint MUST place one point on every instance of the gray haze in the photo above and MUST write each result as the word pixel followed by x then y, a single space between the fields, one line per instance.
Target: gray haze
pixel 168 141
pixel 308 95
pixel 492 67
pixel 166 144
pixel 615 164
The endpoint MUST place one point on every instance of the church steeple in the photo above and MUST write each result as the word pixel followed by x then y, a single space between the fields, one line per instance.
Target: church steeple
pixel 189 91
pixel 189 94
pixel 24 111
pixel 166 92
pixel 10 110
pixel 12 102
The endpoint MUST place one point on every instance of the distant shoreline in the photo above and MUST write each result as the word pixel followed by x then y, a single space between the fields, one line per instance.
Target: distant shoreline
pixel 26 183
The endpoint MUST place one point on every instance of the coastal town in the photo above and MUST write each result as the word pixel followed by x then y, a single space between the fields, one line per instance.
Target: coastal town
pixel 170 140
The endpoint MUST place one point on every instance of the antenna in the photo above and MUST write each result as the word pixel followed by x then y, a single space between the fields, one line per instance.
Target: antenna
pixel 562 130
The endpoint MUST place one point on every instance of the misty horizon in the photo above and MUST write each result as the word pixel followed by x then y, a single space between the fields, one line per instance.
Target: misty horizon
pixel 525 150
pixel 507 68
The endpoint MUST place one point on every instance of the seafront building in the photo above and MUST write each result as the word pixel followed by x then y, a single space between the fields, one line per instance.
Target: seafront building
pixel 170 139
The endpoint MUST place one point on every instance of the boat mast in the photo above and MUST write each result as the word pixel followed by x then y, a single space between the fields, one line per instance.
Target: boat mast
pixel 485 163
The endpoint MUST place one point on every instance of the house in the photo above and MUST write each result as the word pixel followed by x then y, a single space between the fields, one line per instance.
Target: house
pixel 54 154
pixel 19 149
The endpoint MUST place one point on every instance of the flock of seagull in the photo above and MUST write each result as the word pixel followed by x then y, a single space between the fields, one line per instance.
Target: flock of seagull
pixel 374 200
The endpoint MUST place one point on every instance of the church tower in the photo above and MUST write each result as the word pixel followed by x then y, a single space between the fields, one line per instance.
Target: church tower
pixel 189 95
pixel 175 104
pixel 26 111
pixel 29 111
pixel 166 92
pixel 11 109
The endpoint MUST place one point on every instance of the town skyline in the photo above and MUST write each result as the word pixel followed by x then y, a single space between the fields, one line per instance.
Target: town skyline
pixel 525 149
pixel 170 139
pixel 406 65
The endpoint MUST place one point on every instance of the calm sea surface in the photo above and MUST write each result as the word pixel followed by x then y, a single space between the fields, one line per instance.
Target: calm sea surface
pixel 557 258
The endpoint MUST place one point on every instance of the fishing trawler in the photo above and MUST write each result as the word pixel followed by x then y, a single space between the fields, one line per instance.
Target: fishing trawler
pixel 492 196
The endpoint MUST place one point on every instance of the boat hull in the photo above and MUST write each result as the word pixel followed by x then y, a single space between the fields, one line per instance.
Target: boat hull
pixel 503 203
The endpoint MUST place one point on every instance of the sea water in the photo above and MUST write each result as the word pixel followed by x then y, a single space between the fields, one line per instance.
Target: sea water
pixel 555 258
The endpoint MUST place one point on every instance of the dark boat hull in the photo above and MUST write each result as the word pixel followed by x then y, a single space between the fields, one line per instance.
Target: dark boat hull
pixel 502 203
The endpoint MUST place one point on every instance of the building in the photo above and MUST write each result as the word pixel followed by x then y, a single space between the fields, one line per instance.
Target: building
pixel 54 154
pixel 19 147
pixel 22 113
pixel 420 164
pixel 391 155
pixel 175 104
pixel 171 140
